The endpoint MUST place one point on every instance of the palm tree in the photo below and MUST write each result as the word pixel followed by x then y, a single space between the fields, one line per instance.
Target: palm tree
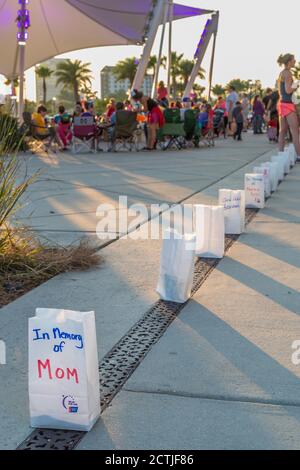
pixel 218 90
pixel 73 75
pixel 126 69
pixel 13 84
pixel 153 63
pixel 175 71
pixel 44 73
pixel 185 69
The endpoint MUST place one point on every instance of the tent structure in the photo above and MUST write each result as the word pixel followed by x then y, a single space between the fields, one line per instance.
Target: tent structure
pixel 48 28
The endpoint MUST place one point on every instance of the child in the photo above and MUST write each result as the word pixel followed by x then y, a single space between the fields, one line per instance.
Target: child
pixel 203 117
pixel 273 129
pixel 238 118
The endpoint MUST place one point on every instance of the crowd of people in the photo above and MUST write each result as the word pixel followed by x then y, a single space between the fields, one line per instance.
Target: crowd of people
pixel 230 115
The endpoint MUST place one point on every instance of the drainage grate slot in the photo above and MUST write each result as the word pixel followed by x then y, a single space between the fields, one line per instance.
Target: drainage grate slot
pixel 120 363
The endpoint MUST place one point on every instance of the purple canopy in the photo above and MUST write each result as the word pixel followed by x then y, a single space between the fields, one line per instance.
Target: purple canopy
pixel 60 26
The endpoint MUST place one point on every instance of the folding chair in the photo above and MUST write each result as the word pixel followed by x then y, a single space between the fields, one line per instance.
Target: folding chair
pixel 84 134
pixel 192 133
pixel 172 130
pixel 125 133
pixel 35 141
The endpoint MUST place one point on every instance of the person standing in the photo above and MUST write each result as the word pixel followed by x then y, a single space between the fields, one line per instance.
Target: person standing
pixel 231 101
pixel 162 95
pixel 246 110
pixel 221 104
pixel 258 115
pixel 287 111
pixel 238 119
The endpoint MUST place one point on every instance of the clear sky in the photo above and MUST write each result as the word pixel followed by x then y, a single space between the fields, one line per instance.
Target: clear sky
pixel 252 34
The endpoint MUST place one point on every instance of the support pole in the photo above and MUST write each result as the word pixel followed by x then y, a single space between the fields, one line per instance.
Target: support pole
pixel 171 9
pixel 23 22
pixel 143 64
pixel 211 71
pixel 22 80
pixel 155 81
pixel 210 29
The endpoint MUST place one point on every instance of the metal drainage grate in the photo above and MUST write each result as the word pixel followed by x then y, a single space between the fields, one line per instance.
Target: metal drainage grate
pixel 120 363
pixel 52 439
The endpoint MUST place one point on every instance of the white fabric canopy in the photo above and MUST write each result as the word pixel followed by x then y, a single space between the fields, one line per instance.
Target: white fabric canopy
pixel 59 26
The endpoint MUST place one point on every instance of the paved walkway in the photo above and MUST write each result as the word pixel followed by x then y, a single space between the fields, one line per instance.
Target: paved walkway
pixel 221 376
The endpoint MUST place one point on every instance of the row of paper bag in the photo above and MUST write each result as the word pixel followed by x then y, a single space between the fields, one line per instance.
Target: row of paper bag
pixel 212 223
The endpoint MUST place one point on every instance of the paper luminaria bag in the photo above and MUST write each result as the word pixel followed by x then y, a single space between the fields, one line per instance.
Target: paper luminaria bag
pixel 264 170
pixel 273 173
pixel 255 191
pixel 210 231
pixel 233 202
pixel 286 159
pixel 64 388
pixel 177 265
pixel 281 166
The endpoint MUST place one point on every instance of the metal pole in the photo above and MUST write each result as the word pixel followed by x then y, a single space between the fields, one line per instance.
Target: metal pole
pixel 171 7
pixel 155 82
pixel 23 22
pixel 211 71
pixel 143 64
pixel 210 28
pixel 22 78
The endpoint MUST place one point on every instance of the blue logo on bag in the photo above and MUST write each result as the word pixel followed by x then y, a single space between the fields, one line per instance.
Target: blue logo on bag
pixel 69 403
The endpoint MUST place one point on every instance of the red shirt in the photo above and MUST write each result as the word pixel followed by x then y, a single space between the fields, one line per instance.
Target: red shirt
pixel 156 117
pixel 110 111
pixel 162 93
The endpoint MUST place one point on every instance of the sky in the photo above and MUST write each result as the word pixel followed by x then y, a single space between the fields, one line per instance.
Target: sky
pixel 252 34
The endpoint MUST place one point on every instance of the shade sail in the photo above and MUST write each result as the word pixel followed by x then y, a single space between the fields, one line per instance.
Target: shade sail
pixel 60 26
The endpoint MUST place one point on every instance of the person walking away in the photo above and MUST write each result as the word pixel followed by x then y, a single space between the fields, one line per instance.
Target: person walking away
pixel 258 115
pixel 267 99
pixel 287 111
pixel 231 101
pixel 238 118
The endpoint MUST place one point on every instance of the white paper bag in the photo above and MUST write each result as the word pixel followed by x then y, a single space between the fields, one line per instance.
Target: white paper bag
pixel 286 158
pixel 255 191
pixel 264 170
pixel 281 166
pixel 234 210
pixel 63 370
pixel 177 266
pixel 210 231
pixel 292 154
pixel 273 171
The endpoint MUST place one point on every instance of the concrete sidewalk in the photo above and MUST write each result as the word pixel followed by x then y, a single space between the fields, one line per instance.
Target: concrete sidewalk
pixel 157 398
pixel 222 376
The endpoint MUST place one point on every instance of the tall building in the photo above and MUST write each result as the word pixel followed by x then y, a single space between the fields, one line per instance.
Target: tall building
pixel 53 91
pixel 110 85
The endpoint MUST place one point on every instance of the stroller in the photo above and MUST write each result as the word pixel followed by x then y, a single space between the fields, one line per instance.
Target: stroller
pixel 218 122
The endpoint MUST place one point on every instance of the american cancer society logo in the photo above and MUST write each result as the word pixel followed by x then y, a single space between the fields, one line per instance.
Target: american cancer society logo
pixel 69 404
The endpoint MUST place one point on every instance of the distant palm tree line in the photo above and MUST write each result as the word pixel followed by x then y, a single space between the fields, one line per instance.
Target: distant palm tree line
pixel 75 76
